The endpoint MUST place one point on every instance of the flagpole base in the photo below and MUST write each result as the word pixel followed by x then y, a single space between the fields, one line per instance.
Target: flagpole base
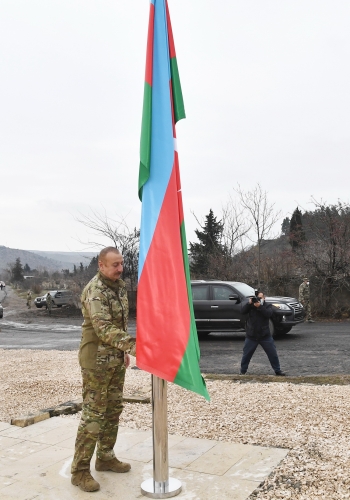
pixel 155 489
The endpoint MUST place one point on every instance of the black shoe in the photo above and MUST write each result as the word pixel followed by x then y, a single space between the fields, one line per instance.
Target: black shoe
pixel 242 373
pixel 280 374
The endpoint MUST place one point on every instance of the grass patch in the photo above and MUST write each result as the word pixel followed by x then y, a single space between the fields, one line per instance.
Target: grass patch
pixel 314 379
pixel 22 294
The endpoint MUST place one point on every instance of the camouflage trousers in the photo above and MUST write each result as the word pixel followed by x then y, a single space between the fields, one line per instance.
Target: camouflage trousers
pixel 102 406
pixel 307 309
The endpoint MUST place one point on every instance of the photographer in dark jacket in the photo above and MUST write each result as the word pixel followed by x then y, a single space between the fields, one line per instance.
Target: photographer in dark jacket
pixel 258 332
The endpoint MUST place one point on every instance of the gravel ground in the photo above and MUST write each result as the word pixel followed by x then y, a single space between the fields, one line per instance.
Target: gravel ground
pixel 311 420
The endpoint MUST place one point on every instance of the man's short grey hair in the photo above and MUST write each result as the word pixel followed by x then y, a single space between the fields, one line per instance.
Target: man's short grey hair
pixel 102 255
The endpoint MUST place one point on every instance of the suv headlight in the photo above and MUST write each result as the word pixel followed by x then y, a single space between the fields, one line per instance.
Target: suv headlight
pixel 283 307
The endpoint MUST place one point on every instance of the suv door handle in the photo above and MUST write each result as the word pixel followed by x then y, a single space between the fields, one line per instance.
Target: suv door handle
pixel 214 307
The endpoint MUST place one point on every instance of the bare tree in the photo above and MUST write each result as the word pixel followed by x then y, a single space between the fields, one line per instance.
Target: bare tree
pixel 261 214
pixel 125 239
pixel 326 253
pixel 236 227
pixel 224 265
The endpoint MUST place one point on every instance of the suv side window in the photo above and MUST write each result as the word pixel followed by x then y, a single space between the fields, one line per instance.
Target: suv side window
pixel 200 292
pixel 222 292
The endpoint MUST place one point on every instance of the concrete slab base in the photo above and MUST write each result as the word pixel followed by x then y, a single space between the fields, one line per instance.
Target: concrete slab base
pixel 35 463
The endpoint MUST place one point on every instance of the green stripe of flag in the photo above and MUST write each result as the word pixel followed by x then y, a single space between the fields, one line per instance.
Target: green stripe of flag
pixel 188 370
pixel 179 108
pixel 145 144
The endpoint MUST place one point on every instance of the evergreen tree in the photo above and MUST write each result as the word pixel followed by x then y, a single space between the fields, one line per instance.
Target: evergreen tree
pixel 81 267
pixel 17 271
pixel 285 226
pixel 209 246
pixel 296 232
pixel 91 269
pixel 93 265
pixel 26 268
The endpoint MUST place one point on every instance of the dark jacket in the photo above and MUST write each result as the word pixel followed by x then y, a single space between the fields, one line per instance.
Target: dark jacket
pixel 258 319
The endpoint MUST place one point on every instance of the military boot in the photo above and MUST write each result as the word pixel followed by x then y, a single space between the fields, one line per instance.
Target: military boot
pixel 114 465
pixel 85 481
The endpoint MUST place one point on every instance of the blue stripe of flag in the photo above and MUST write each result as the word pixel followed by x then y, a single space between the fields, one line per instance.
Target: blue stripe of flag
pixel 162 141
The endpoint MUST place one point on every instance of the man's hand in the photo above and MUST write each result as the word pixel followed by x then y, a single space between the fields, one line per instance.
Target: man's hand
pixel 126 360
pixel 257 304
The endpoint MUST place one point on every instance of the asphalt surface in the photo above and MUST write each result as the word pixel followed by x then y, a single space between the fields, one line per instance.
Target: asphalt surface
pixel 320 348
pixel 54 335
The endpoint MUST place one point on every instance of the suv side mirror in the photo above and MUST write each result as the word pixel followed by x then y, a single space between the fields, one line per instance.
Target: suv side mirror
pixel 234 296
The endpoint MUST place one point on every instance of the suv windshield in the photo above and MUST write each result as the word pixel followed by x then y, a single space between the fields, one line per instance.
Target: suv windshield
pixel 245 290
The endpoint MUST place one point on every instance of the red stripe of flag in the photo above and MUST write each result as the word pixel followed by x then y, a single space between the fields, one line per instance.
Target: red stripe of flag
pixel 164 261
pixel 149 56
pixel 167 343
pixel 172 52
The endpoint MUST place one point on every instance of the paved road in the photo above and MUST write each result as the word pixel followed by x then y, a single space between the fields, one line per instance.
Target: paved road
pixel 309 349
pixel 47 336
pixel 3 294
pixel 18 336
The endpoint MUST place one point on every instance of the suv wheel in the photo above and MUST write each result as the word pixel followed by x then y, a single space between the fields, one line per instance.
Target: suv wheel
pixel 272 328
pixel 285 330
pixel 202 334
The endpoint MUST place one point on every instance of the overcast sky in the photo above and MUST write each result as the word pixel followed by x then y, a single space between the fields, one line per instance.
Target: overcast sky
pixel 266 87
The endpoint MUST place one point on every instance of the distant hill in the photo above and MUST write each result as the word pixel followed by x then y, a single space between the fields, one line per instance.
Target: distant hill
pixel 37 259
pixel 68 257
pixel 280 244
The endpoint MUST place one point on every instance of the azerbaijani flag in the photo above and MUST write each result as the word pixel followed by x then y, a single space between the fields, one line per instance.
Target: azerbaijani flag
pixel 167 342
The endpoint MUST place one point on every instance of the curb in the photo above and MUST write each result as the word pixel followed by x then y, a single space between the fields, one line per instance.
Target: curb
pixel 137 399
pixel 67 408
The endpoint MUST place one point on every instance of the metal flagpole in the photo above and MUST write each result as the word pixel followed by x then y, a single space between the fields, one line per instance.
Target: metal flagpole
pixel 161 485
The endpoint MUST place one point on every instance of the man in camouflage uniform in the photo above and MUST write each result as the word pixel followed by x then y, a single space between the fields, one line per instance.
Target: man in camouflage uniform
pixel 29 299
pixel 48 302
pixel 304 298
pixel 103 357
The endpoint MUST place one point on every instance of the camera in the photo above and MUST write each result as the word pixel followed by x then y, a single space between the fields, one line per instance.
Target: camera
pixel 255 300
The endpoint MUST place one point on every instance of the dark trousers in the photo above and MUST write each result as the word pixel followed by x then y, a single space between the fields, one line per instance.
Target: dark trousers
pixel 268 344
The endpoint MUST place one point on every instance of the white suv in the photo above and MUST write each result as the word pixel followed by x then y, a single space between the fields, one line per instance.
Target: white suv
pixel 59 298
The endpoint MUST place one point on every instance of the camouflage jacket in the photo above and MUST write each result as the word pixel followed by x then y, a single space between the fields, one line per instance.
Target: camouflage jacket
pixel 304 292
pixel 104 331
